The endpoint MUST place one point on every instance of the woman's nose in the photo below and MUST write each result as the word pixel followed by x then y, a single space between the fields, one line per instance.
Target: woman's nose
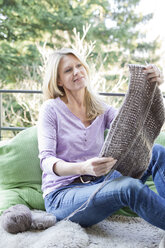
pixel 75 70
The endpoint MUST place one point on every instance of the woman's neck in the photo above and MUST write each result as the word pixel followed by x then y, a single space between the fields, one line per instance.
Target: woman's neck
pixel 75 103
pixel 74 99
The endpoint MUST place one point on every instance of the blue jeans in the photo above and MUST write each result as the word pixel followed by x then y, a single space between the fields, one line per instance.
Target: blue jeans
pixel 118 191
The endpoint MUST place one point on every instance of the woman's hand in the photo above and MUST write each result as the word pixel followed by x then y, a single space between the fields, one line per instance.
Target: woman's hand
pixel 154 74
pixel 98 166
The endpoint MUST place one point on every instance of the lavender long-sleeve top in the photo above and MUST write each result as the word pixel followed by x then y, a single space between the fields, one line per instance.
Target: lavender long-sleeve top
pixel 62 135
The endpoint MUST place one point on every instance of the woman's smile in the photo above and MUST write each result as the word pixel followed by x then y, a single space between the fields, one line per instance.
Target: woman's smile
pixel 78 79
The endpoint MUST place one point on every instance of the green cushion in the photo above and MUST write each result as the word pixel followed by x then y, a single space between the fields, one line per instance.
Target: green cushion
pixel 161 139
pixel 20 173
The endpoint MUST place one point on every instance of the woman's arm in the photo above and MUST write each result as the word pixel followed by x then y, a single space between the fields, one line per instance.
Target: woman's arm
pixel 47 137
pixel 94 167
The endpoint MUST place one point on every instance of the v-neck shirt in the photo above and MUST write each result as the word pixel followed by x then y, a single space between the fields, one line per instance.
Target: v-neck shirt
pixel 62 135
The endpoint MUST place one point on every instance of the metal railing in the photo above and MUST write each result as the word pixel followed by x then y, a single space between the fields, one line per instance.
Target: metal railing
pixel 3 128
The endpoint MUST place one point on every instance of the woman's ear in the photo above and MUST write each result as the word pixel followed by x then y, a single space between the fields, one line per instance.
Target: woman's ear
pixel 59 82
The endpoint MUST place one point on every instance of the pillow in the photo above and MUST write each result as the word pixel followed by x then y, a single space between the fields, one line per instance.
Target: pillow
pixel 161 139
pixel 20 173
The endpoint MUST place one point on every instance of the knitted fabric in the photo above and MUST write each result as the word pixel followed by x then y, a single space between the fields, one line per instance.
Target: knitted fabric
pixel 137 124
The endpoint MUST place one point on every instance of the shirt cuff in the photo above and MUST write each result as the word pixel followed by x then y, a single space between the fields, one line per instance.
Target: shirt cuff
pixel 48 163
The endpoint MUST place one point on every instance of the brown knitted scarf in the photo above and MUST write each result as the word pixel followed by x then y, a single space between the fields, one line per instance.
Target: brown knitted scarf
pixel 137 124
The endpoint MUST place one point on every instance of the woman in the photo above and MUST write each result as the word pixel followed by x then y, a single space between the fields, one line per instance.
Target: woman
pixel 71 133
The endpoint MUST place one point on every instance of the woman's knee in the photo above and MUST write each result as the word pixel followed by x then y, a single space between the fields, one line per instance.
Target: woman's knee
pixel 129 182
pixel 158 158
pixel 131 189
pixel 158 151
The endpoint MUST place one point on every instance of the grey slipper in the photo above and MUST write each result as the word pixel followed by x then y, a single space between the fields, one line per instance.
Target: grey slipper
pixel 16 219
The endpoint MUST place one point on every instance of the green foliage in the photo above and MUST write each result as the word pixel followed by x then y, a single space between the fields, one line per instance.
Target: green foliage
pixel 25 23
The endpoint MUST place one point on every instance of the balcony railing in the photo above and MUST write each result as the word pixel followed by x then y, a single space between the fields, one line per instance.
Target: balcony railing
pixel 3 128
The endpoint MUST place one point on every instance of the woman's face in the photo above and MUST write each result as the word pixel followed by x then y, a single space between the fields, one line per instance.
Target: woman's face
pixel 72 75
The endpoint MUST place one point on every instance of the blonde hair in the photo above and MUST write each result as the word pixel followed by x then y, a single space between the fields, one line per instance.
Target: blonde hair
pixel 51 89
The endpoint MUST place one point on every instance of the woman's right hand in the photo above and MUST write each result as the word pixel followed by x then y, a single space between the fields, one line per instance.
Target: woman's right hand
pixel 98 166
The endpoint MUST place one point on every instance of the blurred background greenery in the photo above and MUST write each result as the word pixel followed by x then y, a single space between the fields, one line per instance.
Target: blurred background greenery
pixel 108 32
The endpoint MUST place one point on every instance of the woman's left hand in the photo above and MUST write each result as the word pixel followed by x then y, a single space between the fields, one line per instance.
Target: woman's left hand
pixel 154 74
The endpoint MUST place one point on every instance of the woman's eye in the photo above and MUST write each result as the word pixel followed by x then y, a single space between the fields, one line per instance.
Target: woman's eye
pixel 68 70
pixel 79 65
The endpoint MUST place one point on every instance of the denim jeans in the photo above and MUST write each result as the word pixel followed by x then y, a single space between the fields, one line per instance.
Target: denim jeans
pixel 117 192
